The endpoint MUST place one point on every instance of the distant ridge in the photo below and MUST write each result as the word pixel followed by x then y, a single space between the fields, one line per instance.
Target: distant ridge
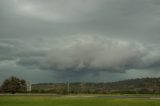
pixel 135 86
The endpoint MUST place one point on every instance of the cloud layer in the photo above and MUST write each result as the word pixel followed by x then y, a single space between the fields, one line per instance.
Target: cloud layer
pixel 79 38
pixel 84 54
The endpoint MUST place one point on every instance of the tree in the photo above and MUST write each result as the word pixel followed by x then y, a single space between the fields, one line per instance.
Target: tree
pixel 13 85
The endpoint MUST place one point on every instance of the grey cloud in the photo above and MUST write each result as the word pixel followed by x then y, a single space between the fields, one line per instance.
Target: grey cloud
pixel 94 54
pixel 80 36
pixel 82 54
pixel 6 51
pixel 151 60
pixel 109 56
pixel 124 19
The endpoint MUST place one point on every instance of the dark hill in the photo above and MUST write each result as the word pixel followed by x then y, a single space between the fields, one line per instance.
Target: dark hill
pixel 139 86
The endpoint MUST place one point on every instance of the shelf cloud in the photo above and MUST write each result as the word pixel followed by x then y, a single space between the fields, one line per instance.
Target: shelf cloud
pixel 85 53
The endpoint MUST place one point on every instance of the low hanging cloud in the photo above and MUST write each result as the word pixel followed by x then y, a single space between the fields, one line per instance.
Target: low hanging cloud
pixel 109 56
pixel 93 55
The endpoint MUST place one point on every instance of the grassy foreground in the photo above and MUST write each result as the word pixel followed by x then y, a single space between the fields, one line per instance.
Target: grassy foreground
pixel 73 101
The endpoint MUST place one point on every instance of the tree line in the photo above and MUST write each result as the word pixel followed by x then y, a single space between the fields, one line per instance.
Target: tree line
pixel 132 86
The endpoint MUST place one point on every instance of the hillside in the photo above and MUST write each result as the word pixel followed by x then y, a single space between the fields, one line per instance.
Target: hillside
pixel 139 86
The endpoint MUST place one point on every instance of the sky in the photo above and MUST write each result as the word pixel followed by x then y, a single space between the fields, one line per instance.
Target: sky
pixel 79 40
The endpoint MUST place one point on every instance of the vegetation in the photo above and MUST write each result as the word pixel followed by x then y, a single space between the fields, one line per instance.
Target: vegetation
pixel 133 86
pixel 13 85
pixel 73 101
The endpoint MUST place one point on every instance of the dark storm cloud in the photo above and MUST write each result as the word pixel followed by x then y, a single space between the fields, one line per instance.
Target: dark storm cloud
pixel 6 51
pixel 74 36
pixel 88 53
pixel 129 19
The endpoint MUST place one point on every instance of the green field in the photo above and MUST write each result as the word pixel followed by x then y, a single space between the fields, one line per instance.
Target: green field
pixel 74 101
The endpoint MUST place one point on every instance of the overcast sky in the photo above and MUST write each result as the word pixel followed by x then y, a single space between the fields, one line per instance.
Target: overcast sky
pixel 79 40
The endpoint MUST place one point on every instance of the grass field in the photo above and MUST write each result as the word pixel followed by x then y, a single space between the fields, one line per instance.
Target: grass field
pixel 74 101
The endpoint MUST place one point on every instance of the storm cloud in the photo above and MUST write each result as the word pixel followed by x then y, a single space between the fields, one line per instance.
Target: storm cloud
pixel 81 38
pixel 86 53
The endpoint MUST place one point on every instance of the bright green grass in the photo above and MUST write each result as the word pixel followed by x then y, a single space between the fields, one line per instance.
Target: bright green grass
pixel 73 101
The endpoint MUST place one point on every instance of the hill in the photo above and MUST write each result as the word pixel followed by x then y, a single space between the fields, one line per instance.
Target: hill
pixel 135 86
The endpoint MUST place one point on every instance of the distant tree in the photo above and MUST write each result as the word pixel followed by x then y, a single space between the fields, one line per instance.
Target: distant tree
pixel 13 85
